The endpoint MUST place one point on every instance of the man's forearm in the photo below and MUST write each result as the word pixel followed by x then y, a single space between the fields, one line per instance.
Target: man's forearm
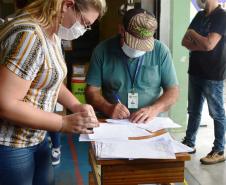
pixel 167 99
pixel 66 98
pixel 201 42
pixel 98 102
pixel 190 44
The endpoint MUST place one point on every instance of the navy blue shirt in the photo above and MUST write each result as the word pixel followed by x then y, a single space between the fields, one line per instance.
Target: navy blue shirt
pixel 210 65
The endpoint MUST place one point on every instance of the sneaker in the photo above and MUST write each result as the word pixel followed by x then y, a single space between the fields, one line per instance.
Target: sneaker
pixel 185 142
pixel 56 156
pixel 213 158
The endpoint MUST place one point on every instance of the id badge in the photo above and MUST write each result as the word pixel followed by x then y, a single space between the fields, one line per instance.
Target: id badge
pixel 133 100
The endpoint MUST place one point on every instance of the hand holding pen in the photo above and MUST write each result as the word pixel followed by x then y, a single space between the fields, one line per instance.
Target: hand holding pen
pixel 118 110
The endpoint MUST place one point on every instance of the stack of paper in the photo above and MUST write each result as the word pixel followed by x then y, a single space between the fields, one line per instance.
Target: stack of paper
pixel 160 147
pixel 111 140
pixel 111 131
pixel 136 149
pixel 108 131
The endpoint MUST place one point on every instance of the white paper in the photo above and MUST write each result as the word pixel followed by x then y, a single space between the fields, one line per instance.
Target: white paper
pixel 178 147
pixel 136 149
pixel 116 131
pixel 158 123
pixel 119 121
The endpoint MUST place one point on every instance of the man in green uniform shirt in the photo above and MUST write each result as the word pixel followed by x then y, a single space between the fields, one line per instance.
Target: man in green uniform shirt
pixel 132 75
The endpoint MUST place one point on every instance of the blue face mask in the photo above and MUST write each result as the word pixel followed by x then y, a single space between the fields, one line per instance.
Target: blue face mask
pixel 132 53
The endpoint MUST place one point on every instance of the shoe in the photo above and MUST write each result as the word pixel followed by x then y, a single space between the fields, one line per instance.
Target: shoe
pixel 56 154
pixel 213 157
pixel 185 142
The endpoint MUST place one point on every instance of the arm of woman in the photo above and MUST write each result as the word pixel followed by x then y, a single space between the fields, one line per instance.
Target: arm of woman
pixel 14 108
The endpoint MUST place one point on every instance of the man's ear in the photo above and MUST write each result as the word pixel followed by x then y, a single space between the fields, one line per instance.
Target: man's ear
pixel 121 31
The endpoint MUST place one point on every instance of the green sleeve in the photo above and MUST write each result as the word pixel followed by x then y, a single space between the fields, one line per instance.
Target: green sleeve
pixel 168 72
pixel 94 74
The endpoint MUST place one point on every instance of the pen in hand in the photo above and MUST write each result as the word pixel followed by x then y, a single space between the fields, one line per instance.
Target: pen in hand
pixel 117 99
pixel 119 111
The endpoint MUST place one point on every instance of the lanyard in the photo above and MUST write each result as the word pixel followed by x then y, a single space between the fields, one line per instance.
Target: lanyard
pixel 133 78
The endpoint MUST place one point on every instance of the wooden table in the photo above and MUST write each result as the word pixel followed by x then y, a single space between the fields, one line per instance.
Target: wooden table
pixel 134 172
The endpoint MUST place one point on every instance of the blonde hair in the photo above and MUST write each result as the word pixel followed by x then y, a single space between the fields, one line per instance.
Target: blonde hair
pixel 47 11
pixel 99 5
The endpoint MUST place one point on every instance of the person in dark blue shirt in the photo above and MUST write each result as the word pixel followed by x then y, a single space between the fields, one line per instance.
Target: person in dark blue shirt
pixel 206 41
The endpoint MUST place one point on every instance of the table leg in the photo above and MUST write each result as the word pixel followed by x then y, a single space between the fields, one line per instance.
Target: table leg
pixel 91 179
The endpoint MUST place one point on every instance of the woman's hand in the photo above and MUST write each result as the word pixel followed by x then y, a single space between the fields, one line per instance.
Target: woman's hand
pixel 84 108
pixel 79 123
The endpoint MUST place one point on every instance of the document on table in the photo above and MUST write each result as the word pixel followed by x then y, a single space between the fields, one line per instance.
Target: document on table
pixel 178 147
pixel 154 125
pixel 116 131
pixel 160 148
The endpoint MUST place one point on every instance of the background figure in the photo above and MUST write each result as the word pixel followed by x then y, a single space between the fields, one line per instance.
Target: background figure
pixel 55 147
pixel 206 41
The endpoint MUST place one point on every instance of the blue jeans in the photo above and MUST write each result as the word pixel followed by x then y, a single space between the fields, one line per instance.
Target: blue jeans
pixel 199 90
pixel 26 166
pixel 55 139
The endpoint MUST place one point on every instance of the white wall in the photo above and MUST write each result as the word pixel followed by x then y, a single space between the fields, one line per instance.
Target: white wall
pixel 165 21
pixel 164 18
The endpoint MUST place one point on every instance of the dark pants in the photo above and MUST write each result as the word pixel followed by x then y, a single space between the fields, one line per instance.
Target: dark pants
pixel 212 91
pixel 55 139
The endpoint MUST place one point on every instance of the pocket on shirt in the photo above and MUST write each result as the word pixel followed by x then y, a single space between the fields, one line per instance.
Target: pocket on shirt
pixel 150 75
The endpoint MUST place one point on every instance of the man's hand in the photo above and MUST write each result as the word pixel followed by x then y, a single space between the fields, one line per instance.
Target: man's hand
pixel 144 115
pixel 119 111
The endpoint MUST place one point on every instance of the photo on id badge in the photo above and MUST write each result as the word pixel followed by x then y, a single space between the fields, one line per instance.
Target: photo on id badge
pixel 133 100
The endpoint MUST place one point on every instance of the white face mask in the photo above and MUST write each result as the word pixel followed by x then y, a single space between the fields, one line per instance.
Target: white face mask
pixel 132 53
pixel 71 33
pixel 201 4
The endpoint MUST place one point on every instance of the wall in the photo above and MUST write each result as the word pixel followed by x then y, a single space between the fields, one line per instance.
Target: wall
pixel 180 18
pixel 165 22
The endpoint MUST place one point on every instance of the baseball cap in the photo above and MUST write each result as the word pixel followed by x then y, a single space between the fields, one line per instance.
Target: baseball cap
pixel 139 27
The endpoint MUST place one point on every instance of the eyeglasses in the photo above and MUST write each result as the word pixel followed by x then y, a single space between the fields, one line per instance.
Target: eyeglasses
pixel 87 26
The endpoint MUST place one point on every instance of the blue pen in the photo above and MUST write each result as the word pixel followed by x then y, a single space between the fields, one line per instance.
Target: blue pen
pixel 117 98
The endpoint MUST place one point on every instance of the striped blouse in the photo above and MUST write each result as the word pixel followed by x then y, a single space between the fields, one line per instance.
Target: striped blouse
pixel 27 52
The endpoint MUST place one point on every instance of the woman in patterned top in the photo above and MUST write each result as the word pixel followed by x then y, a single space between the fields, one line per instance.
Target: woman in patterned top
pixel 32 69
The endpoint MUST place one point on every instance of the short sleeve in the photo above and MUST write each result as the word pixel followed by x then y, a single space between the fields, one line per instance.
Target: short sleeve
pixel 195 21
pixel 22 54
pixel 94 74
pixel 218 23
pixel 168 72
